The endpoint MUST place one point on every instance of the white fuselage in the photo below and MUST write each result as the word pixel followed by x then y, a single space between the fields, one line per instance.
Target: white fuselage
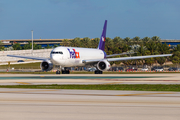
pixel 74 56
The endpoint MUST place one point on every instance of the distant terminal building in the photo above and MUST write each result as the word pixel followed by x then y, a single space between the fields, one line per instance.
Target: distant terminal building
pixel 170 42
pixel 52 42
pixel 42 42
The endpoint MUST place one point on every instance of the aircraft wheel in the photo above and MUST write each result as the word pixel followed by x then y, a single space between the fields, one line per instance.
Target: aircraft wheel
pixel 57 72
pixel 98 72
pixel 65 72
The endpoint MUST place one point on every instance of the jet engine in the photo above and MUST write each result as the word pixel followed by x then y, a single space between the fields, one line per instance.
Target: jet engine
pixel 103 65
pixel 46 65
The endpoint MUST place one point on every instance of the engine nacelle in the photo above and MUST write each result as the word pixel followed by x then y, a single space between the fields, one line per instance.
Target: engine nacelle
pixel 103 65
pixel 46 65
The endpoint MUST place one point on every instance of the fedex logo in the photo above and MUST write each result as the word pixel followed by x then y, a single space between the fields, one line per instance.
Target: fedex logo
pixel 73 53
pixel 103 39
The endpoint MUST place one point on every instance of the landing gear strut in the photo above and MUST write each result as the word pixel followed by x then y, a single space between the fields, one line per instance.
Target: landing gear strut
pixel 98 72
pixel 64 71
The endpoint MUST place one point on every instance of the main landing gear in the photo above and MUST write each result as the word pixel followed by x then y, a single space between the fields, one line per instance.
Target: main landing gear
pixel 98 72
pixel 65 71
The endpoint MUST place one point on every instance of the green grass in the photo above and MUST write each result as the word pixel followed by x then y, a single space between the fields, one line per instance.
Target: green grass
pixel 22 66
pixel 136 87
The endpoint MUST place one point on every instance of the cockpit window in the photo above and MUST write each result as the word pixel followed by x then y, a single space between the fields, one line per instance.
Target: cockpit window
pixel 58 52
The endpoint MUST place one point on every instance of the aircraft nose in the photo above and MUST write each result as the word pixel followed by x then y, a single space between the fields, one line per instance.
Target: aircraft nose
pixel 55 58
pixel 52 57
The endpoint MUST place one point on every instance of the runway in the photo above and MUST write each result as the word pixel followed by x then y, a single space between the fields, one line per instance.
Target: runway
pixel 50 104
pixel 36 79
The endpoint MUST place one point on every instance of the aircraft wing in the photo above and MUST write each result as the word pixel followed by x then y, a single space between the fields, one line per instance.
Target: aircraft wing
pixel 118 54
pixel 137 57
pixel 28 57
pixel 126 58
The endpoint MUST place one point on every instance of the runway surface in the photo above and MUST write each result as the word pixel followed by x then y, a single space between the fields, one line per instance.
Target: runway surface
pixel 34 79
pixel 56 104
pixel 50 104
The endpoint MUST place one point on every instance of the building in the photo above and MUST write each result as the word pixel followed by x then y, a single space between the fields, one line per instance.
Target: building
pixel 42 42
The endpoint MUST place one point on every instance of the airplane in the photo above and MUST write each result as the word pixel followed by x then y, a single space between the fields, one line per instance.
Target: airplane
pixel 65 57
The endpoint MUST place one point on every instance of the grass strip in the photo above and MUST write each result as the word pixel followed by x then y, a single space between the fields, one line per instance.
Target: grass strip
pixel 136 87
pixel 22 66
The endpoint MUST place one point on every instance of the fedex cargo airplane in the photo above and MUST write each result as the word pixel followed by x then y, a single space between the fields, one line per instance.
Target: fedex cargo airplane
pixel 76 56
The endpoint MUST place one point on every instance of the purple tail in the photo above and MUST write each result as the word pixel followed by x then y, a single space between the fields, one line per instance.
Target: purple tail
pixel 103 37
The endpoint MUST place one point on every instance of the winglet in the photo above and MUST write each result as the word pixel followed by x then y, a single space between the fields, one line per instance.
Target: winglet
pixel 103 37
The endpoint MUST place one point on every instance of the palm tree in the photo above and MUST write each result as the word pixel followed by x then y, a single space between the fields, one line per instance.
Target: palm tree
pixel 94 42
pixel 75 42
pixel 156 39
pixel 163 48
pixel 146 40
pixel 136 40
pixel 177 48
pixel 152 47
pixel 48 46
pixel 175 60
pixel 86 42
pixel 27 46
pixel 17 46
pixel 118 44
pixel 109 45
pixel 150 61
pixel 161 60
pixel 65 42
pixel 127 40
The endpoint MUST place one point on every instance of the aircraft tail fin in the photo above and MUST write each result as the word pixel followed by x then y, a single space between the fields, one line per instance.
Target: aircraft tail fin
pixel 103 37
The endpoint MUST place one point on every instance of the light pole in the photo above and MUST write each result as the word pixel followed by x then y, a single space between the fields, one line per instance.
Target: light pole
pixel 32 42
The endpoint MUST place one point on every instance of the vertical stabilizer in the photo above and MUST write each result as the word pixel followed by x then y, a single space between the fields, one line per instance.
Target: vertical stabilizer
pixel 103 37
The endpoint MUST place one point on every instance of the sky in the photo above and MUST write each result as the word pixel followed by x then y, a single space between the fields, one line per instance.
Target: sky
pixel 61 19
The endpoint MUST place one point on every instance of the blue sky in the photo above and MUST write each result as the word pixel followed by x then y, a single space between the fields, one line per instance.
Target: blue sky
pixel 55 19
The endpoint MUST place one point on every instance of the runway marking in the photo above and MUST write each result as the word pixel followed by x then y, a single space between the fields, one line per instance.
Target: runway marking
pixel 111 83
pixel 139 94
pixel 24 83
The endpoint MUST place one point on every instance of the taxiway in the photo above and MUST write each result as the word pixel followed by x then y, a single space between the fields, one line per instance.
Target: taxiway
pixel 34 79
